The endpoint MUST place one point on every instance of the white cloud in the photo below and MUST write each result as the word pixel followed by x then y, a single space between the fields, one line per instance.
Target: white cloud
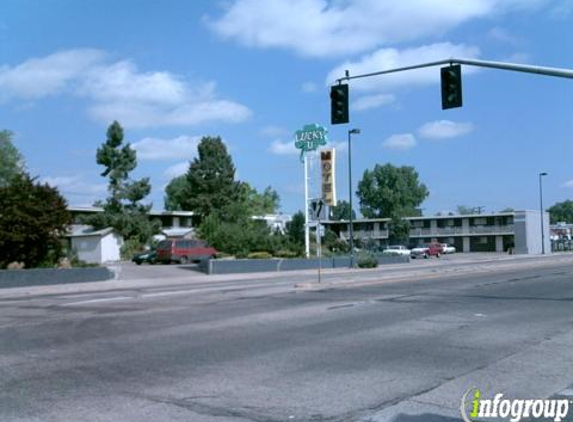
pixel 50 75
pixel 278 147
pixel 76 189
pixel 309 87
pixel 391 58
pixel 339 146
pixel 166 149
pixel 122 81
pixel 119 90
pixel 176 170
pixel 443 129
pixel 338 28
pixel 372 101
pixel 500 34
pixel 568 184
pixel 403 141
pixel 273 131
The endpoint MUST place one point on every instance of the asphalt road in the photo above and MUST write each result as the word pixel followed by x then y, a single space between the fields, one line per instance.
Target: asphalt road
pixel 259 349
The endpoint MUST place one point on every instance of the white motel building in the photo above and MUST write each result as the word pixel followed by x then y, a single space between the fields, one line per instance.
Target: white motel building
pixel 497 232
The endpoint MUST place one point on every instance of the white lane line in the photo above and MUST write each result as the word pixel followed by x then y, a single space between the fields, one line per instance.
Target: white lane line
pixel 103 299
pixel 159 294
pixel 206 289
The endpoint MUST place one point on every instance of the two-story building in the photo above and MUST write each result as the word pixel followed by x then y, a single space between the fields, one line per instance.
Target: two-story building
pixel 496 232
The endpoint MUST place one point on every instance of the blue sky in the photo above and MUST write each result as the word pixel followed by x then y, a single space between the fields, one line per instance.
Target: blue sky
pixel 255 71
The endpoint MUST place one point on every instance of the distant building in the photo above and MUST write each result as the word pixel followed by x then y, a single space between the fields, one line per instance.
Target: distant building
pixel 95 246
pixel 496 232
pixel 168 219
pixel 173 223
pixel 275 221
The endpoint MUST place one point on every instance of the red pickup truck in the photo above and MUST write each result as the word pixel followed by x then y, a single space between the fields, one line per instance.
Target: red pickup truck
pixel 427 250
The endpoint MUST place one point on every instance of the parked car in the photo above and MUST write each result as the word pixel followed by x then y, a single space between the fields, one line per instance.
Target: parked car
pixel 447 248
pixel 396 250
pixel 149 257
pixel 184 251
pixel 427 250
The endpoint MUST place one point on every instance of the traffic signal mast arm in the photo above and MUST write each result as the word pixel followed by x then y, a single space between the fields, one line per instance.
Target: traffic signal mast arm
pixel 540 70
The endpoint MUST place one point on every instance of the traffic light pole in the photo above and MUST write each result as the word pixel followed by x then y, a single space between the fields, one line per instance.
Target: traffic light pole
pixel 539 70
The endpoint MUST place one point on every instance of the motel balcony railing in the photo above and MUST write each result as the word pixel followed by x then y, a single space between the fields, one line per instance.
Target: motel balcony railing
pixel 461 231
pixel 365 234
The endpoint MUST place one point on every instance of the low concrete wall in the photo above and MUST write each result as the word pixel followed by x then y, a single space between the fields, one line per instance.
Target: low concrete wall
pixel 49 276
pixel 232 266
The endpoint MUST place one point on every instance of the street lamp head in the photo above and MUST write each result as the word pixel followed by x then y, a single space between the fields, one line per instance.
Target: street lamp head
pixel 354 131
pixel 543 174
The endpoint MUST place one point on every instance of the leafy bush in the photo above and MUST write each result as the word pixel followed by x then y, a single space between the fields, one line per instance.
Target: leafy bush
pixel 130 247
pixel 16 265
pixel 33 221
pixel 367 261
pixel 259 255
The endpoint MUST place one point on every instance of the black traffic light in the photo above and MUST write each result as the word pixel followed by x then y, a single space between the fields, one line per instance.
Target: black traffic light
pixel 339 104
pixel 451 86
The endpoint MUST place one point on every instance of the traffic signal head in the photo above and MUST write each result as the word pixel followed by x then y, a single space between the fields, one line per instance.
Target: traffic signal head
pixel 339 104
pixel 451 77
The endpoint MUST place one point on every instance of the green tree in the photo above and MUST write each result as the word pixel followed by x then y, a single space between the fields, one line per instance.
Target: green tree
pixel 465 210
pixel 389 191
pixel 123 209
pixel 561 212
pixel 341 211
pixel 175 193
pixel 11 161
pixel 392 192
pixel 33 220
pixel 266 202
pixel 211 178
pixel 295 228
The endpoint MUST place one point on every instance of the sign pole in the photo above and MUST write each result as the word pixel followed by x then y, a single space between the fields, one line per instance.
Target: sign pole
pixel 310 138
pixel 306 227
pixel 319 245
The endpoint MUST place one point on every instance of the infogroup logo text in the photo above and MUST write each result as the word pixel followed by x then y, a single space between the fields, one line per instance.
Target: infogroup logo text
pixel 476 408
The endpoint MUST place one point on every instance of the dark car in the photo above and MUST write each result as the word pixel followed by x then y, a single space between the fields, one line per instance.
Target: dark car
pixel 150 257
pixel 184 251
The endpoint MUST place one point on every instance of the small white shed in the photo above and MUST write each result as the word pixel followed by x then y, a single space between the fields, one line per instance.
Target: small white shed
pixel 95 246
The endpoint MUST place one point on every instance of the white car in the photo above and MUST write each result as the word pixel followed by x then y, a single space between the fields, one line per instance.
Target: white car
pixel 447 248
pixel 396 250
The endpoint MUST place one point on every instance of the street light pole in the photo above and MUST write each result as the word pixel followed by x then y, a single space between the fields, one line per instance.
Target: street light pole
pixel 350 132
pixel 541 212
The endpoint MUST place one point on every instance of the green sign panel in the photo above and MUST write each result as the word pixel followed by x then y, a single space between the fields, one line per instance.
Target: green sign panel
pixel 310 138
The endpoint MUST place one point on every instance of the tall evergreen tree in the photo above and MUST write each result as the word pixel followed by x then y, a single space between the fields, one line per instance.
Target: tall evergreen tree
pixel 123 209
pixel 295 228
pixel 11 161
pixel 175 193
pixel 211 179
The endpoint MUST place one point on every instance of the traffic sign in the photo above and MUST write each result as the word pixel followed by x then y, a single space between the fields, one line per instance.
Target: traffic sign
pixel 317 209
